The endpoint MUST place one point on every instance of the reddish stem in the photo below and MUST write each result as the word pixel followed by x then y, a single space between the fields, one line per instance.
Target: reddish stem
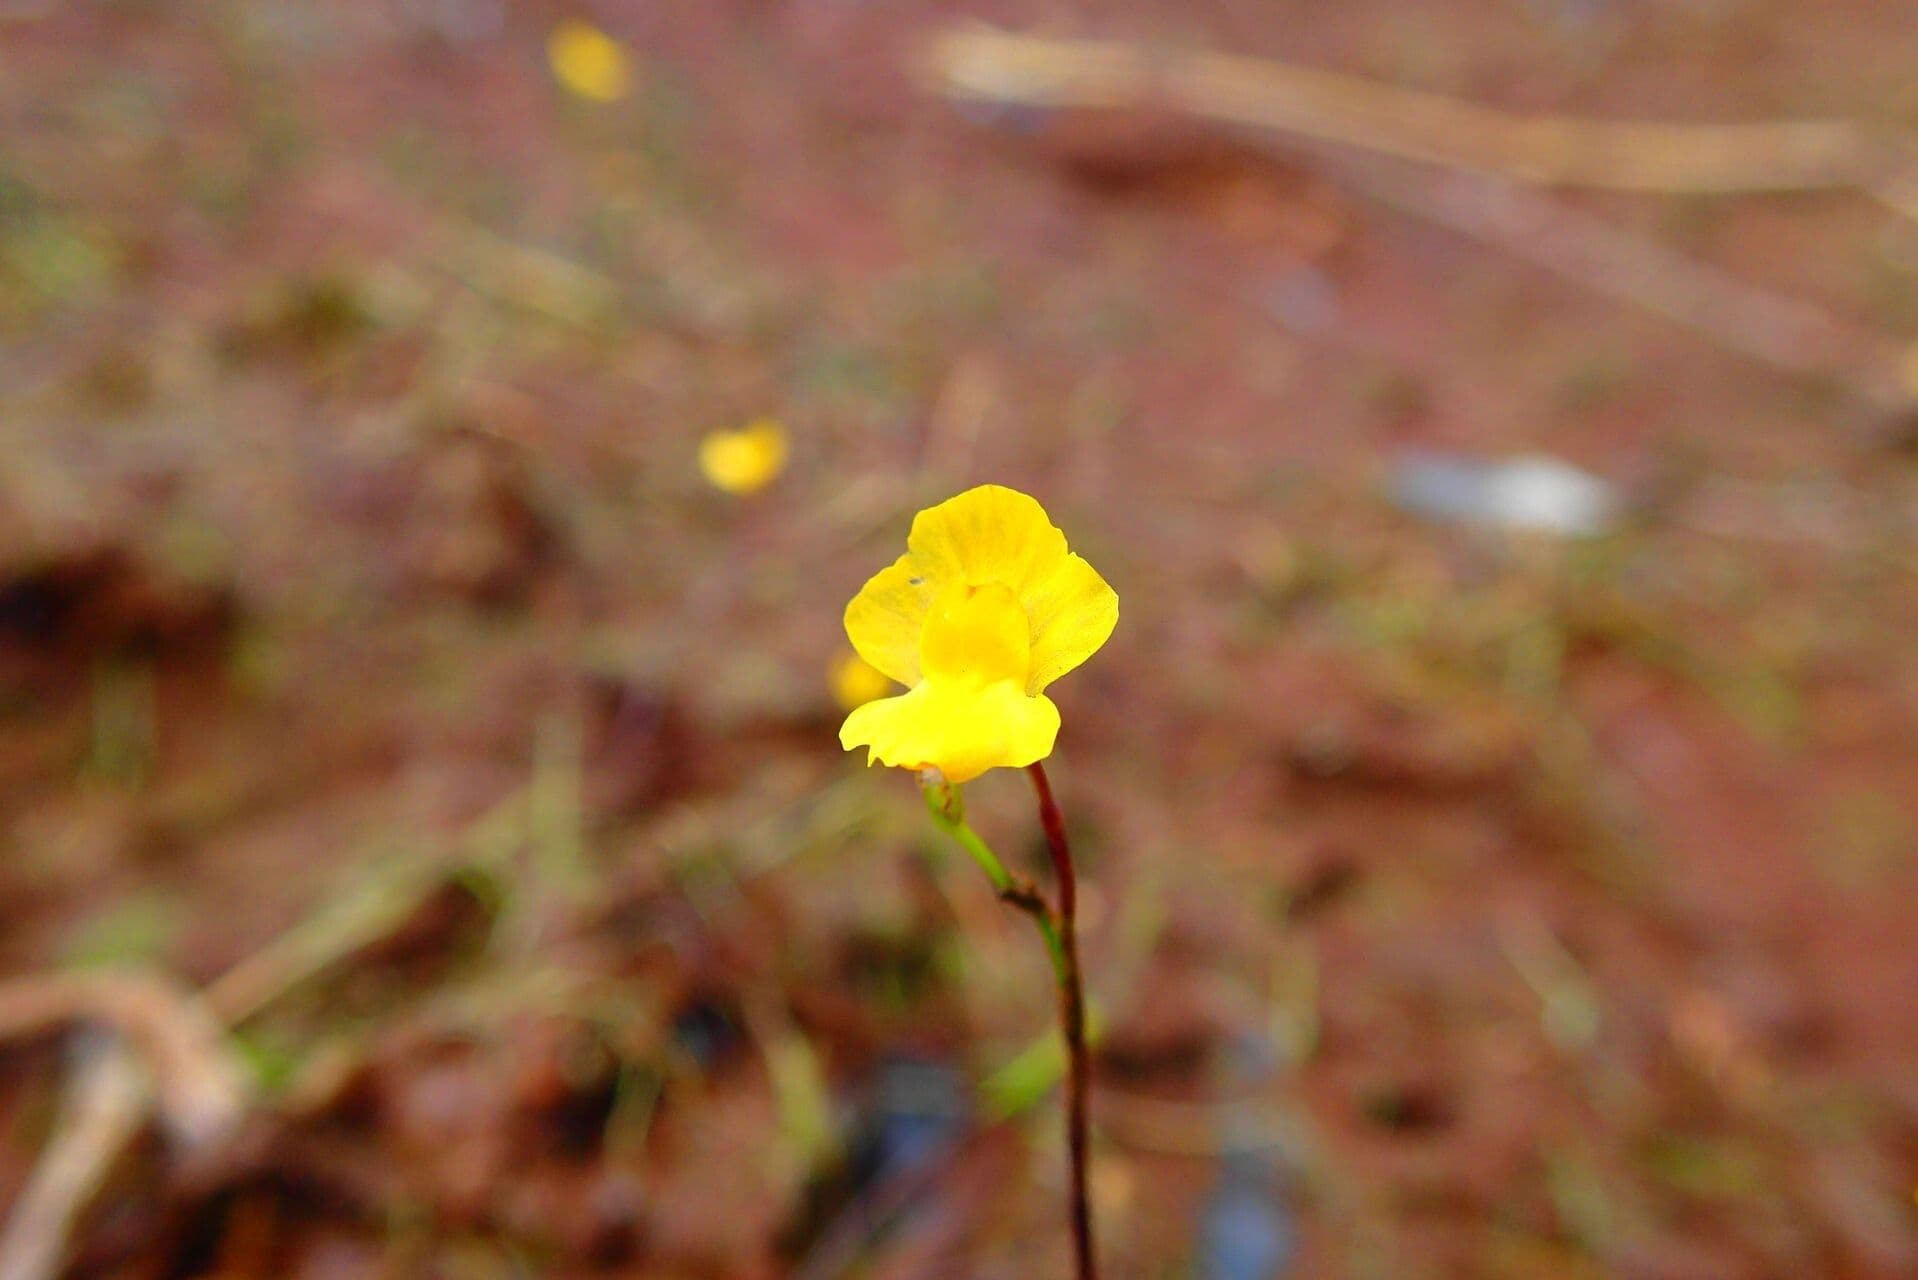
pixel 1072 1017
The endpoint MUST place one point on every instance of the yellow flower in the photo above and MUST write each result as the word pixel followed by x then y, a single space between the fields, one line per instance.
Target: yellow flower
pixel 588 61
pixel 746 460
pixel 985 609
pixel 855 682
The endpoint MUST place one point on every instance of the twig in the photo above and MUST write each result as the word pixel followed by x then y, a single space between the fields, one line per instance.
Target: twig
pixel 1335 114
pixel 200 1088
pixel 106 1103
pixel 1786 333
pixel 983 63
pixel 179 1036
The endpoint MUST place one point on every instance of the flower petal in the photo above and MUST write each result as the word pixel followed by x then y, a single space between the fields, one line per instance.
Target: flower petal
pixel 960 731
pixel 987 534
pixel 1072 612
pixel 884 620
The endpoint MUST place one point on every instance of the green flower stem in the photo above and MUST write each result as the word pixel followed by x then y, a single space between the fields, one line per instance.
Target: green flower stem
pixel 947 805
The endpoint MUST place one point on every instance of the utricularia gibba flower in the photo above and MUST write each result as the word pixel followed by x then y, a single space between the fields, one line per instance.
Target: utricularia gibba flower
pixel 985 609
pixel 745 460
pixel 855 682
pixel 589 62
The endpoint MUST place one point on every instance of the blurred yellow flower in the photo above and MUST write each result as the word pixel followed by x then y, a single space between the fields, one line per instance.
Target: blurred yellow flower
pixel 589 62
pixel 746 460
pixel 855 682
pixel 985 609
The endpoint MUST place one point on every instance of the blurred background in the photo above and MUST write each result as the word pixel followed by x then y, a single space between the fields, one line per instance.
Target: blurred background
pixel 438 439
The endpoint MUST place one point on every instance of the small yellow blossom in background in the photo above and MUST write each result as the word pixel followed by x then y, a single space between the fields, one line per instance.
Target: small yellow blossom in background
pixel 985 609
pixel 589 62
pixel 855 682
pixel 746 460
pixel 1908 368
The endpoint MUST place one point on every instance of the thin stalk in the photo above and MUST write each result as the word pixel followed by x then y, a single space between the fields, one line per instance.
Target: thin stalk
pixel 946 803
pixel 1058 925
pixel 1072 1018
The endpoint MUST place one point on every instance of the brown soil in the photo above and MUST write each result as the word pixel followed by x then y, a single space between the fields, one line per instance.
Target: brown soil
pixel 357 582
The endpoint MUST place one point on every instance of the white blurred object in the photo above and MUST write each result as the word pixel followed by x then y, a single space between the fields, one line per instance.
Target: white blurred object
pixel 1532 492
